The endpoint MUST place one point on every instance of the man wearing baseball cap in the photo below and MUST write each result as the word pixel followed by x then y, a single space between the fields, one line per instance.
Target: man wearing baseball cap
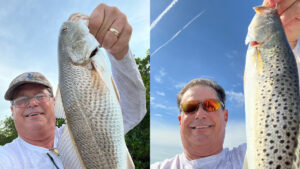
pixel 32 100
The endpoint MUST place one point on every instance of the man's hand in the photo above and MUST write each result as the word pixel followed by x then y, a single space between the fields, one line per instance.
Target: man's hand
pixel 112 30
pixel 289 12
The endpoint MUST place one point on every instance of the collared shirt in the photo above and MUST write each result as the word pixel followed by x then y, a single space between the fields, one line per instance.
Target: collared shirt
pixel 226 159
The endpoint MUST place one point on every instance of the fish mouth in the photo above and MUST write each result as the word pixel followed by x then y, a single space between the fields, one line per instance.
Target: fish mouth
pixel 94 52
pixel 34 114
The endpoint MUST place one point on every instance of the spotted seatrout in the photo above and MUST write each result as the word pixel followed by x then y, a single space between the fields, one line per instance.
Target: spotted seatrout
pixel 90 102
pixel 271 95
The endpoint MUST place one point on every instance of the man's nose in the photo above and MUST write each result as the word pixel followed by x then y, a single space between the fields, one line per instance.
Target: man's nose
pixel 201 113
pixel 32 102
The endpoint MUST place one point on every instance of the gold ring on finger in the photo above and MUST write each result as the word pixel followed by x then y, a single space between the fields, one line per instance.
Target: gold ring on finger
pixel 115 32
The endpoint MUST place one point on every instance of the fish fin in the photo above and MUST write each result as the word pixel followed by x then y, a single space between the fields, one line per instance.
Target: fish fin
pixel 115 89
pixel 100 65
pixel 130 164
pixel 58 106
pixel 259 62
pixel 245 162
pixel 68 153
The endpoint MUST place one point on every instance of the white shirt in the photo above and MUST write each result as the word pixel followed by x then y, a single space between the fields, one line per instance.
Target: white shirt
pixel 227 159
pixel 21 155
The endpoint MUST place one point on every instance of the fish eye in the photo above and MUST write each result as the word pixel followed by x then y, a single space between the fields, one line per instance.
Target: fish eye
pixel 65 29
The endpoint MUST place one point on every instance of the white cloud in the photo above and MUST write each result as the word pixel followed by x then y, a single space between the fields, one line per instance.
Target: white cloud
pixel 235 134
pixel 165 141
pixel 157 105
pixel 158 77
pixel 158 115
pixel 237 97
pixel 160 93
pixel 231 54
pixel 161 106
pixel 153 24
pixel 179 85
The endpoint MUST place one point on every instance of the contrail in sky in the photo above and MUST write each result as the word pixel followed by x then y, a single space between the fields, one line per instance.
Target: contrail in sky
pixel 162 14
pixel 177 33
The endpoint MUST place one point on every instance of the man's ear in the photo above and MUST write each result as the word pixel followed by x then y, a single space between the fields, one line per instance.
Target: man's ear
pixel 179 118
pixel 12 111
pixel 226 115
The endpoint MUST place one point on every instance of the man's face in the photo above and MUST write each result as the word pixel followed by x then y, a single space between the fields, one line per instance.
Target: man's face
pixel 43 112
pixel 202 128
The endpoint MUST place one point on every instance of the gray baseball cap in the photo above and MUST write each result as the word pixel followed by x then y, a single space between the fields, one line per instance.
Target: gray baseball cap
pixel 27 77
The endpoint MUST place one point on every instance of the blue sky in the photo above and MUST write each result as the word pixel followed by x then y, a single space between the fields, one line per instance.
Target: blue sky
pixel 207 41
pixel 29 35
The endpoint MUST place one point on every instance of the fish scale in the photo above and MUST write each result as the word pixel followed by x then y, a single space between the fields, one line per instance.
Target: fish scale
pixel 92 110
pixel 271 95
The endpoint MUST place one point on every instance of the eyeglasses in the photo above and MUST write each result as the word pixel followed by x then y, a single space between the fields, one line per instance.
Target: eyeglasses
pixel 22 102
pixel 208 105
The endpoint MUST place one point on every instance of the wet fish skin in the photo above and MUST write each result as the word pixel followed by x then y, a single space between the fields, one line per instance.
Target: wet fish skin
pixel 91 107
pixel 271 95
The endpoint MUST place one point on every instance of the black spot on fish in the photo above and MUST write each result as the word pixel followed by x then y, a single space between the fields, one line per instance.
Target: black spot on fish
pixel 284 117
pixel 284 126
pixel 279 158
pixel 270 162
pixel 279 136
pixel 281 141
pixel 287 163
pixel 271 141
pixel 278 167
pixel 287 147
pixel 276 150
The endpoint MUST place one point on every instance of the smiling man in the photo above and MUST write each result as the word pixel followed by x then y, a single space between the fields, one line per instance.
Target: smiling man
pixel 32 101
pixel 202 121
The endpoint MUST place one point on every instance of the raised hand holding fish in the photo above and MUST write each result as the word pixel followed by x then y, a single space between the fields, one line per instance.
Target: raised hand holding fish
pixel 112 30
pixel 289 12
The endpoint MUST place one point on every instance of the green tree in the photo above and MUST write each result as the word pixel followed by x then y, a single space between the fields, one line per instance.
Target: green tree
pixel 8 132
pixel 138 139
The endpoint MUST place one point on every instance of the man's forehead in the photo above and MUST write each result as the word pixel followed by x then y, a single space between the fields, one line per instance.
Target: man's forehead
pixel 200 91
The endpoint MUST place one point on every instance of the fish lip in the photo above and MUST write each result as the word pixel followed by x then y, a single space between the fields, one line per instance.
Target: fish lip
pixel 33 114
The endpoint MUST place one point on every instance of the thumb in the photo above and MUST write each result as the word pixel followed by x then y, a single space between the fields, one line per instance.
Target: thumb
pixel 270 3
